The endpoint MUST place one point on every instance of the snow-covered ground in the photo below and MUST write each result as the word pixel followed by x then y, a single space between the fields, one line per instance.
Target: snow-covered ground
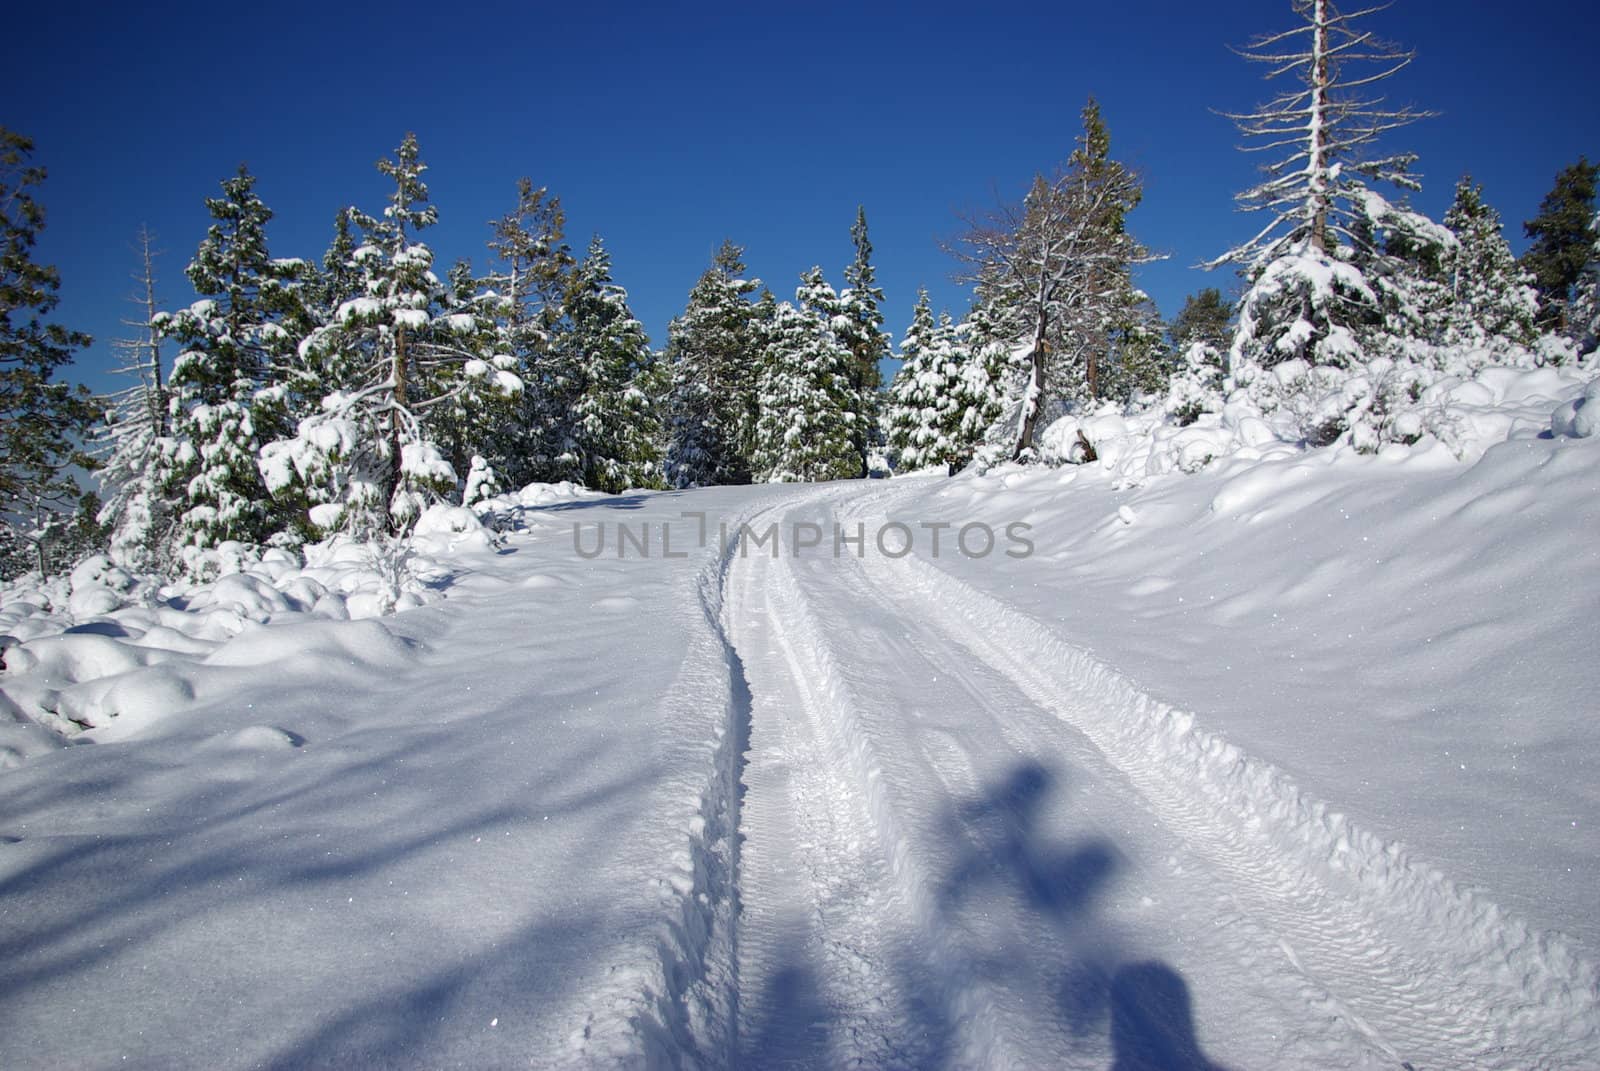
pixel 1288 763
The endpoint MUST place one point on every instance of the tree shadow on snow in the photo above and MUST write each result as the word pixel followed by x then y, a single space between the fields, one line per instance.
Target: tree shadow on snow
pixel 634 500
pixel 1014 863
pixel 1012 850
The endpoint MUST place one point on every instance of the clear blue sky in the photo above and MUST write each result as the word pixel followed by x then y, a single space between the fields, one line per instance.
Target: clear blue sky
pixel 667 127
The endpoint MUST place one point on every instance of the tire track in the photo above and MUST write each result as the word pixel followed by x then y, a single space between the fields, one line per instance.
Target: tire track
pixel 1427 973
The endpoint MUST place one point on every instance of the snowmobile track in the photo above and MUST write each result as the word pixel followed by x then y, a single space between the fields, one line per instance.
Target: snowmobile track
pixel 1426 972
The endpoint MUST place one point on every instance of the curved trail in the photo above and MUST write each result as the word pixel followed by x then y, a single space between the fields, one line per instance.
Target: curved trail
pixel 964 845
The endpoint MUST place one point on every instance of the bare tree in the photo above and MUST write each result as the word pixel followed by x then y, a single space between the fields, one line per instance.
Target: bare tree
pixel 141 352
pixel 1055 269
pixel 136 429
pixel 1323 128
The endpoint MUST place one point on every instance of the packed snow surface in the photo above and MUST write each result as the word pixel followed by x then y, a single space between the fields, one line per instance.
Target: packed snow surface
pixel 1287 763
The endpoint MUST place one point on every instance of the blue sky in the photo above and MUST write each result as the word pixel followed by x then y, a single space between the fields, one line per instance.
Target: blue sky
pixel 668 127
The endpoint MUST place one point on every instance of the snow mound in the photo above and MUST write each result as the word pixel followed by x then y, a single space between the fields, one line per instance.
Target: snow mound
pixel 509 512
pixel 1579 417
pixel 1456 417
pixel 103 647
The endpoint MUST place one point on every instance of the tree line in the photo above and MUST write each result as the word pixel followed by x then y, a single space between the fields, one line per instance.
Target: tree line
pixel 307 397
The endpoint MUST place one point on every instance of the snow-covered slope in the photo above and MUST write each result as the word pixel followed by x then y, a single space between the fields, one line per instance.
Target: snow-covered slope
pixel 1287 763
pixel 1409 638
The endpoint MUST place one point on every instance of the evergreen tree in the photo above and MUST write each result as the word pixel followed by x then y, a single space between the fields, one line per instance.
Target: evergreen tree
pixel 615 425
pixel 1562 242
pixel 371 460
pixel 860 328
pixel 1493 304
pixel 531 279
pixel 1585 311
pixel 1307 301
pixel 222 411
pixel 1137 361
pixel 464 363
pixel 1404 257
pixel 926 403
pixel 714 401
pixel 807 401
pixel 40 419
pixel 1205 317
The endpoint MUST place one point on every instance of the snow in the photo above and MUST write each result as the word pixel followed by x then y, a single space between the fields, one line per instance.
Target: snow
pixel 1580 417
pixel 1280 759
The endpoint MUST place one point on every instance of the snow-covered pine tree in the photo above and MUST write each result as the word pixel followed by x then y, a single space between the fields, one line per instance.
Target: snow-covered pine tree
pixel 1493 305
pixel 995 372
pixel 1200 336
pixel 532 271
pixel 927 401
pixel 40 420
pixel 807 401
pixel 475 409
pixel 1308 299
pixel 713 405
pixel 1137 361
pixel 1404 257
pixel 860 328
pixel 1205 317
pixel 910 417
pixel 1585 309
pixel 615 426
pixel 223 404
pixel 135 445
pixel 369 462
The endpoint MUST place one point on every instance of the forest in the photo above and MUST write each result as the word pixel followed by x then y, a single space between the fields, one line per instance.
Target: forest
pixel 306 397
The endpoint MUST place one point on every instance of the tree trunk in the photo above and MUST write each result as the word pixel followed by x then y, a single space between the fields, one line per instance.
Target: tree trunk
pixel 1317 159
pixel 398 372
pixel 1034 399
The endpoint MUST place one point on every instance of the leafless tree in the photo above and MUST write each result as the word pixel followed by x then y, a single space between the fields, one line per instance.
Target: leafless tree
pixel 1323 129
pixel 1055 268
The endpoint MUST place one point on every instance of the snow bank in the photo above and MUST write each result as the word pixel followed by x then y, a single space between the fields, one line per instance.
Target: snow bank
pixel 103 646
pixel 1456 415
pixel 1579 417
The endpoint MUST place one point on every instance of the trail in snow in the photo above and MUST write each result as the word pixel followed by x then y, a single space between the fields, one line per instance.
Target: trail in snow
pixel 729 810
pixel 964 845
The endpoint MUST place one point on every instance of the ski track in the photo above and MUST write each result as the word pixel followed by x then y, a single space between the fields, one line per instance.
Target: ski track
pixel 846 947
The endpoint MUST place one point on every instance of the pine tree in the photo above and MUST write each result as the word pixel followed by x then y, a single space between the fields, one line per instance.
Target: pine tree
pixel 860 328
pixel 370 461
pixel 926 399
pixel 1205 317
pixel 714 401
pixel 532 277
pixel 615 426
pixel 461 351
pixel 1306 301
pixel 40 419
pixel 994 378
pixel 1137 361
pixel 1493 305
pixel 1584 315
pixel 1562 242
pixel 1404 257
pixel 222 407
pixel 807 401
